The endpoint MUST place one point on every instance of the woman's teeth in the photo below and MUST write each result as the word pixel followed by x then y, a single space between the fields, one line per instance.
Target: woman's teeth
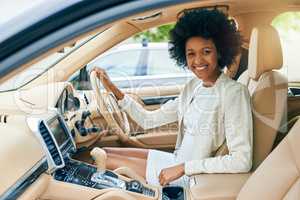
pixel 201 67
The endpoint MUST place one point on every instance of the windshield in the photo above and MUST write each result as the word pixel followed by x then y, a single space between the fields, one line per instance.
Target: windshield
pixel 40 67
pixel 11 9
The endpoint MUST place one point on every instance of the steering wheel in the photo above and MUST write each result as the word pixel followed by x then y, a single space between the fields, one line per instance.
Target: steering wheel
pixel 109 108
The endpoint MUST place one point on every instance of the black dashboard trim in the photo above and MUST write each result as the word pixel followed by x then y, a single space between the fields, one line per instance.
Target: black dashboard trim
pixel 23 183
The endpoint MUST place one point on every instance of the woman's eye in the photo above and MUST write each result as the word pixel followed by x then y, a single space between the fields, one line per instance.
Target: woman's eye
pixel 206 51
pixel 189 54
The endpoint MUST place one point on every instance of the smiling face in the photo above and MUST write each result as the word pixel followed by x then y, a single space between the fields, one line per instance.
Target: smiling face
pixel 201 57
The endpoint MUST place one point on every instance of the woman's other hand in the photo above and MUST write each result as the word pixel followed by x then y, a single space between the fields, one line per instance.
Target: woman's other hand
pixel 170 174
pixel 108 85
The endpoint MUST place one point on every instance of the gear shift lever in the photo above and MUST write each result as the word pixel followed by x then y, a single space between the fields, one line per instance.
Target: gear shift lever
pixel 99 156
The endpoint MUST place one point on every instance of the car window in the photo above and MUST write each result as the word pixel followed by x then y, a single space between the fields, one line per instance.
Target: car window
pixel 288 27
pixel 159 62
pixel 118 64
pixel 140 61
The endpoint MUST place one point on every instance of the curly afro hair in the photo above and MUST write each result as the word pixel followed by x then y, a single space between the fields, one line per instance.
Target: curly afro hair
pixel 208 24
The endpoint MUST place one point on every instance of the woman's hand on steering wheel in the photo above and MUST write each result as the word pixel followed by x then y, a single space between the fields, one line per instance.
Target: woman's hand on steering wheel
pixel 108 85
pixel 107 102
pixel 102 75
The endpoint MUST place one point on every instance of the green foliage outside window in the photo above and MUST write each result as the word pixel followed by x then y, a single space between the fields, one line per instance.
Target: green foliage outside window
pixel 159 34
pixel 289 21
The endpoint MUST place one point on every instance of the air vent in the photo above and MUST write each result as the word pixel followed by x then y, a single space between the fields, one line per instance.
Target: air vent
pixel 52 148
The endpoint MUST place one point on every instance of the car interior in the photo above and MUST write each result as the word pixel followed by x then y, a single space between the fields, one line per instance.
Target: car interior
pixel 51 146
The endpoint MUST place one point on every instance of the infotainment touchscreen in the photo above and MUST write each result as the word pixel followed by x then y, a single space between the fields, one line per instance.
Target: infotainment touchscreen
pixel 58 131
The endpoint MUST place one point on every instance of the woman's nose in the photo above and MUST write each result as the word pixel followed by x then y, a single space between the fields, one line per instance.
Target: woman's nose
pixel 198 59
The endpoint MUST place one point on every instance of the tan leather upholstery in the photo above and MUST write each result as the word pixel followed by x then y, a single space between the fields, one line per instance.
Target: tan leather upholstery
pixel 265 52
pixel 278 177
pixel 268 89
pixel 99 156
pixel 128 172
pixel 217 186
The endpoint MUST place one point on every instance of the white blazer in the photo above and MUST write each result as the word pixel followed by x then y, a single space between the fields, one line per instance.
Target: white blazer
pixel 235 109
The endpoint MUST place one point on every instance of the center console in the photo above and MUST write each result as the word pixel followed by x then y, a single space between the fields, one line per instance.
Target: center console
pixel 80 173
pixel 59 146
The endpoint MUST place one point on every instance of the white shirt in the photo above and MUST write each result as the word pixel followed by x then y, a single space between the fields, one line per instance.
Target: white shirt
pixel 202 115
pixel 210 115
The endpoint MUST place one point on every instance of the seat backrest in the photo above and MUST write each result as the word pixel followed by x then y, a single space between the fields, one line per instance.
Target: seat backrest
pixel 268 89
pixel 278 177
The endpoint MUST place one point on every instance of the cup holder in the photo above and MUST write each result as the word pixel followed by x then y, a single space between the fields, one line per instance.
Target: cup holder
pixel 173 193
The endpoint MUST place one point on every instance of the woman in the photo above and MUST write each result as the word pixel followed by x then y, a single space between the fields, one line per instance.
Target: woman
pixel 211 109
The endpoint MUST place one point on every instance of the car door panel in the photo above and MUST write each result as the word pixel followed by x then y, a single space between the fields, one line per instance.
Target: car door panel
pixel 160 138
pixel 152 98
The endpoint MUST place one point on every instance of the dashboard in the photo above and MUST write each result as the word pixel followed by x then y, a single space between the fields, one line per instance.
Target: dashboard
pixel 46 107
pixel 45 142
pixel 52 139
pixel 75 108
pixel 59 146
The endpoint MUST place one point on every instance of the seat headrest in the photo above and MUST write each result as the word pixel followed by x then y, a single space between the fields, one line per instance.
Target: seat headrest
pixel 265 52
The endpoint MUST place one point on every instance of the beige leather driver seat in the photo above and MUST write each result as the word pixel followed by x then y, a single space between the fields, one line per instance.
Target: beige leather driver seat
pixel 268 89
